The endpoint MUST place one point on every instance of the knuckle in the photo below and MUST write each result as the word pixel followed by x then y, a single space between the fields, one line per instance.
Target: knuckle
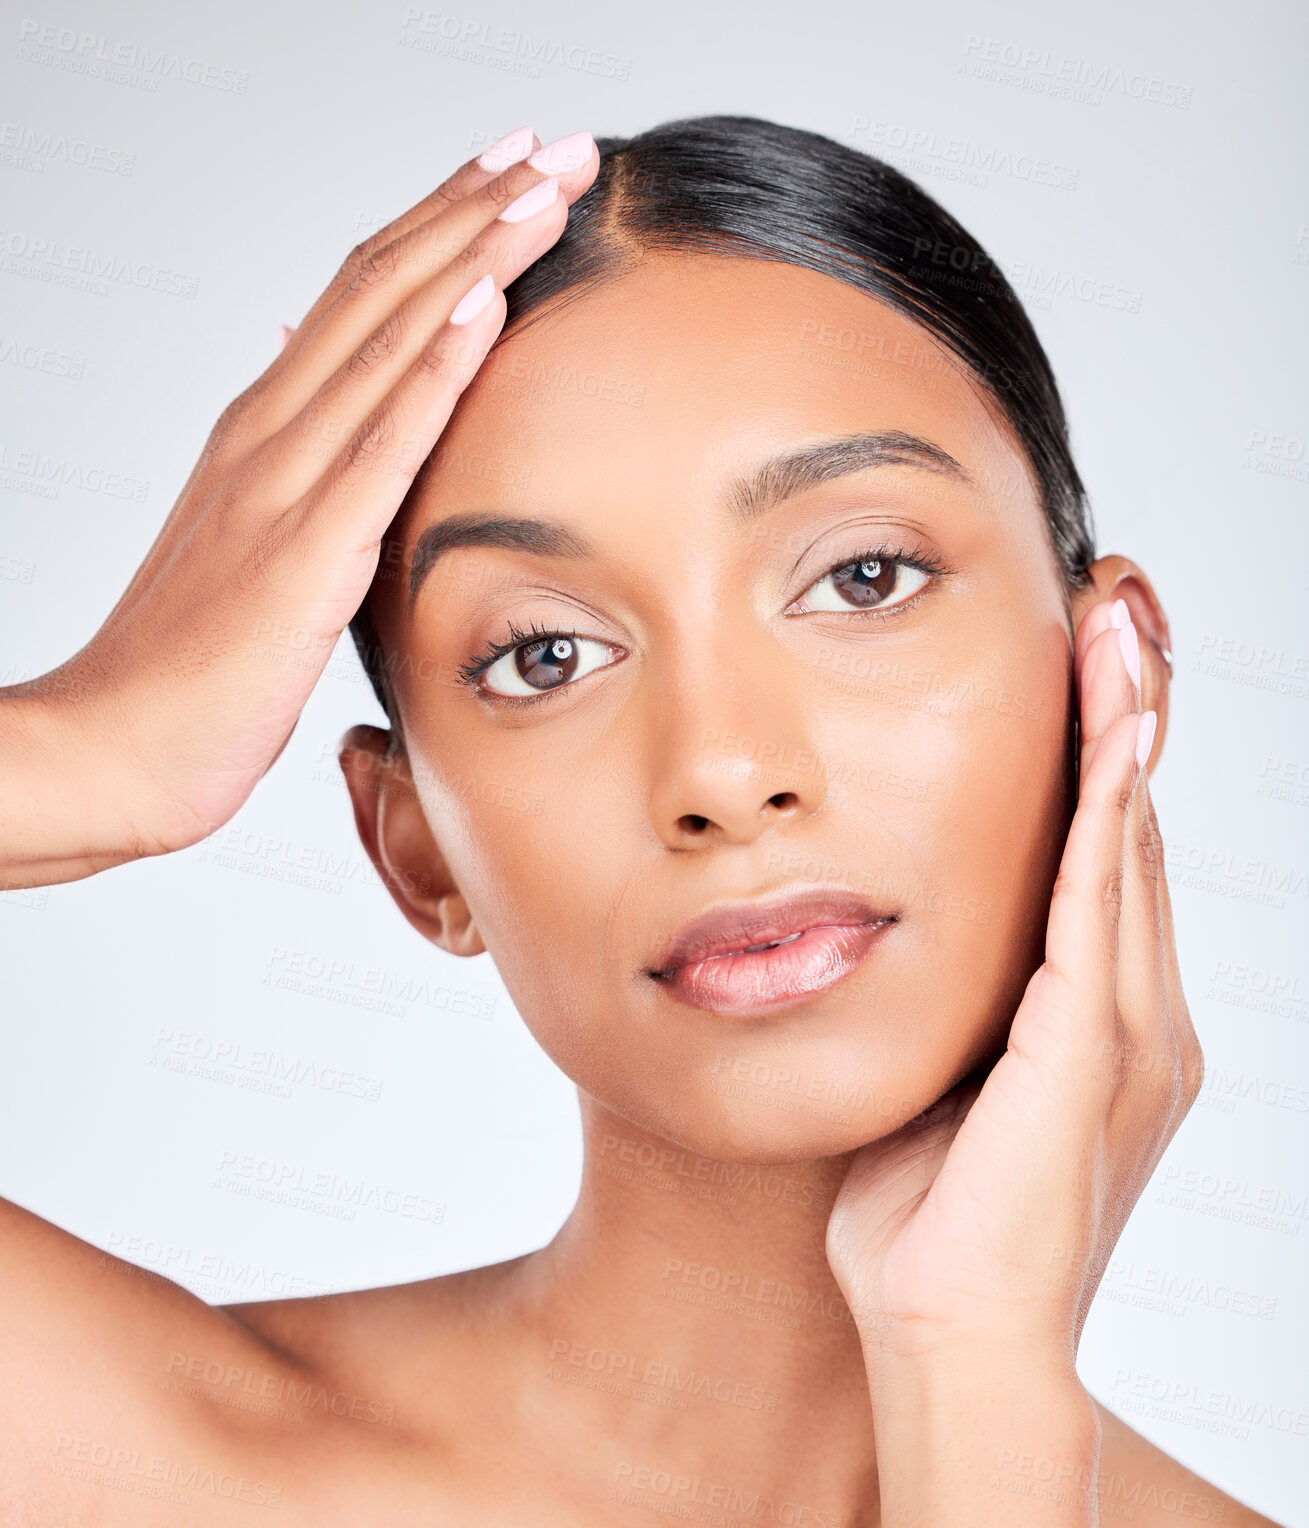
pixel 1120 798
pixel 237 428
pixel 1156 835
pixel 433 365
pixel 375 268
pixel 467 256
pixel 1111 888
pixel 1149 847
pixel 498 194
pixel 444 197
pixel 355 259
pixel 373 441
pixel 236 416
pixel 381 346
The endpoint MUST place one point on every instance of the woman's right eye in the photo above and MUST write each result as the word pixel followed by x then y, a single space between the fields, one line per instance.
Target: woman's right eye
pixel 548 662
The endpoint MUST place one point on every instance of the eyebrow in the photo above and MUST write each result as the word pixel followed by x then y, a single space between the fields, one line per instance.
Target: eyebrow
pixel 768 485
pixel 797 471
pixel 545 538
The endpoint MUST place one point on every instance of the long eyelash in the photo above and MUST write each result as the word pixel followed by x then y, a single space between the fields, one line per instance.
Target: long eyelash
pixel 925 563
pixel 472 671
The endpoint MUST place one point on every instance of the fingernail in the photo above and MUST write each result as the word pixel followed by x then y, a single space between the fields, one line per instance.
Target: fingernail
pixel 1130 647
pixel 507 150
pixel 564 154
pixel 531 202
pixel 1119 614
pixel 287 332
pixel 473 301
pixel 1145 738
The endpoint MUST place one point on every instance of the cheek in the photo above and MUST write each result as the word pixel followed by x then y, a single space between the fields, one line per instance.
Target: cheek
pixel 539 861
pixel 1001 818
pixel 951 786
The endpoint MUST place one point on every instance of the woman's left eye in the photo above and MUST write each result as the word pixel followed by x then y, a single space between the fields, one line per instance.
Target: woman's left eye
pixel 547 662
pixel 867 583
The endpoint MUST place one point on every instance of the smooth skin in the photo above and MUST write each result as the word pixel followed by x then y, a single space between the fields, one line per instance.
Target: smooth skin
pixel 910 1264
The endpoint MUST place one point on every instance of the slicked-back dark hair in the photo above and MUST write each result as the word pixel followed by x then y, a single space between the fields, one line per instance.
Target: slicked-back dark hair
pixel 742 186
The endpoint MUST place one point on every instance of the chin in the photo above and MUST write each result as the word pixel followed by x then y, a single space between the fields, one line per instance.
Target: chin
pixel 770 1113
pixel 747 1139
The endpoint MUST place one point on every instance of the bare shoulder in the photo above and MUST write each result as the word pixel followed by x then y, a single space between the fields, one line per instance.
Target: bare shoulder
pixel 125 1398
pixel 96 1414
pixel 1141 1484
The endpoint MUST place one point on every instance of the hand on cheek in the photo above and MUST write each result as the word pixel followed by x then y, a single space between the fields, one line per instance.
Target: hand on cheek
pixel 969 1244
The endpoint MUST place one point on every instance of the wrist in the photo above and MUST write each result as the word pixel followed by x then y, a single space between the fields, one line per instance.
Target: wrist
pixel 991 1433
pixel 1037 1335
pixel 62 815
pixel 952 1377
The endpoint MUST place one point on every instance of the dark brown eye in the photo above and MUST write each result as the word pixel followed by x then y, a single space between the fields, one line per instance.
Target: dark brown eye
pixel 866 584
pixel 546 664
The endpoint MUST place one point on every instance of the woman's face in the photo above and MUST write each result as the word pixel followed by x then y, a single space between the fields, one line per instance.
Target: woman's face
pixel 814 683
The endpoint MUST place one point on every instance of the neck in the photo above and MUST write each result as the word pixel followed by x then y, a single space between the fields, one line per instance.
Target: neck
pixel 688 1305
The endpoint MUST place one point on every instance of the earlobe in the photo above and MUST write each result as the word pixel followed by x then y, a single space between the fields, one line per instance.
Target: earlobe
pixel 398 839
pixel 1119 578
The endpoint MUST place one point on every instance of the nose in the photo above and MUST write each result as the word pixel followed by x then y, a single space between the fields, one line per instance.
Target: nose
pixel 733 759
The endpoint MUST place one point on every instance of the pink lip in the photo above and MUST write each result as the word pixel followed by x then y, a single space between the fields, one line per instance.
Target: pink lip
pixel 714 963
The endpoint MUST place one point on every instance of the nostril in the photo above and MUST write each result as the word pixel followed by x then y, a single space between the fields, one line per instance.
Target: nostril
pixel 692 824
pixel 784 801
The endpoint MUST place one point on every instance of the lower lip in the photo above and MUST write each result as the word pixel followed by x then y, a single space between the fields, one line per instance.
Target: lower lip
pixel 750 983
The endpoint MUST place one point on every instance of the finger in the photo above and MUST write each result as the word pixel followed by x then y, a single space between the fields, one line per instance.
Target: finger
pixel 1109 685
pixel 1081 952
pixel 1190 1058
pixel 359 495
pixel 298 455
pixel 1097 619
pixel 512 149
pixel 1151 1052
pixel 393 272
pixel 1158 1066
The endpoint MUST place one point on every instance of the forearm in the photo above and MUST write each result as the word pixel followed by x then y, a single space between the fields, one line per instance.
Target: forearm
pixel 982 1438
pixel 61 812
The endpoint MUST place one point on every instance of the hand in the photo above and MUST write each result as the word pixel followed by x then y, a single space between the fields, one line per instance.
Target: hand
pixel 152 736
pixel 970 1243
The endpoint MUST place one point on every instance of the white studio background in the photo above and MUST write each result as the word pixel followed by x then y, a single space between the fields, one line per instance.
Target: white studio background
pixel 1137 170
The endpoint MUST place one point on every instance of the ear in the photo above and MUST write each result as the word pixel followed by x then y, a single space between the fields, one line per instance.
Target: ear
pixel 1119 578
pixel 399 840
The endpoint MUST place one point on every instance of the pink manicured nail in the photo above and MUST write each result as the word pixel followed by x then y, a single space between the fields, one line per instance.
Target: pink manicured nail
pixel 531 202
pixel 1130 647
pixel 507 150
pixel 1145 738
pixel 473 301
pixel 1119 614
pixel 564 154
pixel 287 332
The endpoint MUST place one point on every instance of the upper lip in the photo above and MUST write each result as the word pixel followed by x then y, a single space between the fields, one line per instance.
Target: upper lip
pixel 732 927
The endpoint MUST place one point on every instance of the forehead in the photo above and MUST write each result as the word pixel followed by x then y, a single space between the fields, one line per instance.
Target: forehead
pixel 665 384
